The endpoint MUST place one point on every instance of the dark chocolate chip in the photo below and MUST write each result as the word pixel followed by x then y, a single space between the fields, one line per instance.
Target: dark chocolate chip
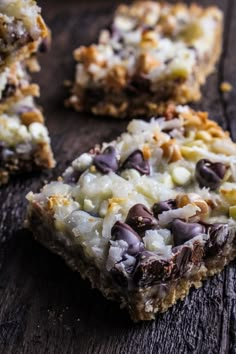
pixel 140 218
pixel 93 96
pixel 137 162
pixel 218 235
pixel 168 61
pixel 198 252
pixel 8 91
pixel 122 231
pixel 184 231
pixel 166 205
pixel 73 177
pixel 209 174
pixel 219 168
pixel 139 84
pixel 151 269
pixel 182 258
pixel 106 161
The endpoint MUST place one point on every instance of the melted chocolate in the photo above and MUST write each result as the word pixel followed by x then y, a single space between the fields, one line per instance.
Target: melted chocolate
pixel 166 205
pixel 122 231
pixel 184 231
pixel 218 235
pixel 136 161
pixel 140 218
pixel 209 174
pixel 106 161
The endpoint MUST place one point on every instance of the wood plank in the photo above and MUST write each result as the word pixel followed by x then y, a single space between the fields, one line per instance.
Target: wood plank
pixel 46 308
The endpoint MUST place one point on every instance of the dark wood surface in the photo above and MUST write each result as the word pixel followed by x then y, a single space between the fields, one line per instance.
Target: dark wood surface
pixel 46 308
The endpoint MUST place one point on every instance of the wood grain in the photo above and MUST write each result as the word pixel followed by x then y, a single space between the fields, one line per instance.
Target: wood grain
pixel 46 308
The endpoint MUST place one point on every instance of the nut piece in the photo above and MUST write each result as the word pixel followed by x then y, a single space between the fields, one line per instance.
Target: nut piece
pixel 200 121
pixel 149 40
pixel 194 199
pixel 117 77
pixel 171 151
pixel 146 152
pixel 226 87
pixel 28 118
pixel 146 63
pixel 89 55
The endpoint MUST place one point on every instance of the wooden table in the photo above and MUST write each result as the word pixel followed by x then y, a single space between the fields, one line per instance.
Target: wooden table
pixel 46 308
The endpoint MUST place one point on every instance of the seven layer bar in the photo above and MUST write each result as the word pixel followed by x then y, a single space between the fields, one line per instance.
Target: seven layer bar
pixel 24 140
pixel 152 53
pixel 146 216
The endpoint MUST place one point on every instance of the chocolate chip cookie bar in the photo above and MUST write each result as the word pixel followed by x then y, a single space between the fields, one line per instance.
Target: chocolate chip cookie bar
pixel 147 216
pixel 22 29
pixel 24 140
pixel 151 54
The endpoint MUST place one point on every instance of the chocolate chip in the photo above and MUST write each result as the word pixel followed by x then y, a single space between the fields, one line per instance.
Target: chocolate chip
pixel 198 252
pixel 168 61
pixel 218 235
pixel 184 231
pixel 140 218
pixel 122 231
pixel 166 205
pixel 182 258
pixel 209 174
pixel 93 96
pixel 73 177
pixel 151 269
pixel 106 161
pixel 137 162
pixel 8 91
pixel 137 85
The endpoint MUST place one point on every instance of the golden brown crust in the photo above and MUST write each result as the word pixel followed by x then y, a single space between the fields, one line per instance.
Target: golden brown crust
pixel 142 304
pixel 43 156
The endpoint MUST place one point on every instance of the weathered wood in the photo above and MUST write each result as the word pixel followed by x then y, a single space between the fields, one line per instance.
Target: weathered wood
pixel 46 308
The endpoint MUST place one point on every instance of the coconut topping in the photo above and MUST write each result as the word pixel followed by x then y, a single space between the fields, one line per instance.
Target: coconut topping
pixel 126 202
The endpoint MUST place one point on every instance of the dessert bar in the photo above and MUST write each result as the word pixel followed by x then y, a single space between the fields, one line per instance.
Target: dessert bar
pixel 152 54
pixel 24 140
pixel 22 29
pixel 147 216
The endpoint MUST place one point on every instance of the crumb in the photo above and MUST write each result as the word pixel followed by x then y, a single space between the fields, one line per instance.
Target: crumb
pixel 226 86
pixel 67 83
